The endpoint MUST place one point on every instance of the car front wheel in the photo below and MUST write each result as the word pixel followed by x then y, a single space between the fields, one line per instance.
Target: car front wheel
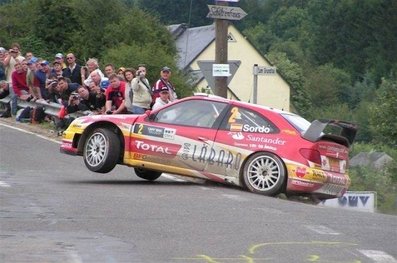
pixel 264 173
pixel 101 151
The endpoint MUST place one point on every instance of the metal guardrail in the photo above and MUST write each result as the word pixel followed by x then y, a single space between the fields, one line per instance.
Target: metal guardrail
pixel 50 108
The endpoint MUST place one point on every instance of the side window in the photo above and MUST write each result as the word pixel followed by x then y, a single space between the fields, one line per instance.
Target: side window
pixel 244 120
pixel 197 113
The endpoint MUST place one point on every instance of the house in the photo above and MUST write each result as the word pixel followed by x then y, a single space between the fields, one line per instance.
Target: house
pixel 196 52
pixel 376 160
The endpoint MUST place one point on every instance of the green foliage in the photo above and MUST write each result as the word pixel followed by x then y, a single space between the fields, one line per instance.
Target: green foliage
pixel 384 182
pixel 293 74
pixel 177 12
pixel 383 118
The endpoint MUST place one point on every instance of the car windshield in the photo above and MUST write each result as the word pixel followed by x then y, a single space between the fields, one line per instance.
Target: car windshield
pixel 298 122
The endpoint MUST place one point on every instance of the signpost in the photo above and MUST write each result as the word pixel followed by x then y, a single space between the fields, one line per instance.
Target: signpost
pixel 226 12
pixel 260 70
pixel 221 12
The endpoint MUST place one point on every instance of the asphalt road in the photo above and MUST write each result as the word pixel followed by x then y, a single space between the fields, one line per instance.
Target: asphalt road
pixel 52 209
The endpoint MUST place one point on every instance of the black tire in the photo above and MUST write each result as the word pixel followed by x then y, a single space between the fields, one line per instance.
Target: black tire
pixel 146 174
pixel 101 151
pixel 264 173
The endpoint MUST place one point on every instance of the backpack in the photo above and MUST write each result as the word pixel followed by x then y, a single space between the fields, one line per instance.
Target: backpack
pixel 38 114
pixel 24 115
pixel 29 114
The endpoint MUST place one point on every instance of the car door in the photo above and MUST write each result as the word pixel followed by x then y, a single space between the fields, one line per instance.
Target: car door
pixel 179 137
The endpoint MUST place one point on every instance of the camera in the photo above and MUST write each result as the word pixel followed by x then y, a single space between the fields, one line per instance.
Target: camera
pixel 75 96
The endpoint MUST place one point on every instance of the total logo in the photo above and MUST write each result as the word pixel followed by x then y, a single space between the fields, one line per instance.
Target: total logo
pixel 151 147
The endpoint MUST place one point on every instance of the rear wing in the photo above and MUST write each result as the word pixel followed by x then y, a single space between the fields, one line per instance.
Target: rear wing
pixel 338 131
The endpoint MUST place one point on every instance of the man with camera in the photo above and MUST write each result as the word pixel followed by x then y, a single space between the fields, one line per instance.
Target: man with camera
pixel 85 101
pixel 138 92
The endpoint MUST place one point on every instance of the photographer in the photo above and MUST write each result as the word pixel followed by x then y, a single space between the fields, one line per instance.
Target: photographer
pixel 83 100
pixel 138 92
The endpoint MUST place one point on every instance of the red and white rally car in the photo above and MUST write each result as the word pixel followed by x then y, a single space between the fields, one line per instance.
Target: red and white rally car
pixel 265 150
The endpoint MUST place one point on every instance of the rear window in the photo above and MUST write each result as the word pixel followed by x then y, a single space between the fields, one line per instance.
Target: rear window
pixel 298 122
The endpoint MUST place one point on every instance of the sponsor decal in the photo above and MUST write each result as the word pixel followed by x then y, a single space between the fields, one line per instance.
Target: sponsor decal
pixel 140 156
pixel 235 127
pixel 276 141
pixel 290 132
pixel 237 135
pixel 155 131
pixel 223 158
pixel 334 179
pixel 300 183
pixel 318 174
pixel 169 133
pixel 234 114
pixel 300 171
pixel 152 147
pixel 261 129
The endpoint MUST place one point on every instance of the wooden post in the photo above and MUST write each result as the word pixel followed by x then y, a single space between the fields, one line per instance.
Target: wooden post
pixel 221 30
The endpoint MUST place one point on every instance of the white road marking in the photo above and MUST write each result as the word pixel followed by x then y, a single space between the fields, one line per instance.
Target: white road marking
pixel 235 197
pixel 4 184
pixel 378 256
pixel 171 177
pixel 28 132
pixel 323 230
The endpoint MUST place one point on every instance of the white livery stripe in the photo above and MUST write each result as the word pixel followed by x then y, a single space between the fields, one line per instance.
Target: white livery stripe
pixel 378 256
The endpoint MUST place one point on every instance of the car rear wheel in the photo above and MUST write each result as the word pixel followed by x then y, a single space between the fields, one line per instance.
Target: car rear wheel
pixel 146 174
pixel 264 173
pixel 101 151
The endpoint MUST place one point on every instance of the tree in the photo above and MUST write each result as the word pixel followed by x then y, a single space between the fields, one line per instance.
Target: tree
pixel 382 116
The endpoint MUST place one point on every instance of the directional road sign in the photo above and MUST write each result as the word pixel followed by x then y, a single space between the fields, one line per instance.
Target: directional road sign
pixel 206 67
pixel 226 12
pixel 264 70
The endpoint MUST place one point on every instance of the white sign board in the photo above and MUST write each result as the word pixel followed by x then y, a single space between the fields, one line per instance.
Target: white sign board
pixel 263 70
pixel 226 12
pixel 359 200
pixel 235 1
pixel 220 70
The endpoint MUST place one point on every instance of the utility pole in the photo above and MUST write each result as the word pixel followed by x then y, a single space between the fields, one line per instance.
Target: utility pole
pixel 221 30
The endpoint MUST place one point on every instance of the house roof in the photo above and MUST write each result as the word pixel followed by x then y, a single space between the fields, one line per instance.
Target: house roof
pixel 374 159
pixel 190 42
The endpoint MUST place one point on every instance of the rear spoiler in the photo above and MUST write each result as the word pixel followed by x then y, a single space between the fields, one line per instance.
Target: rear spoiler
pixel 346 131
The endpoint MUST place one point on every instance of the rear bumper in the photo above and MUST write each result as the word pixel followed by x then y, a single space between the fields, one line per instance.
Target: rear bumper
pixel 316 181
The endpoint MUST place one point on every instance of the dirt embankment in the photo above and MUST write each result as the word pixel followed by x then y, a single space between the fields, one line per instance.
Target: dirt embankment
pixel 41 129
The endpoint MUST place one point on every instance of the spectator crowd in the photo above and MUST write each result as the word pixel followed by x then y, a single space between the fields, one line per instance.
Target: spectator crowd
pixel 79 88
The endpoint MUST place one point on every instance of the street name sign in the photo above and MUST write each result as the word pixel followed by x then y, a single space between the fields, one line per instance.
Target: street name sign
pixel 225 12
pixel 263 70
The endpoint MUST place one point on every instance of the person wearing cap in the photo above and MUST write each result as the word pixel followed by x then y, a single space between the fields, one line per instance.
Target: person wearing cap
pixel 41 77
pixel 164 81
pixel 56 70
pixel 73 70
pixel 164 99
pixel 60 60
pixel 31 80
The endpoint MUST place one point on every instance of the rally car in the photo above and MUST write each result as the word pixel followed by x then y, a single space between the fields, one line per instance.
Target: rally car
pixel 264 150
